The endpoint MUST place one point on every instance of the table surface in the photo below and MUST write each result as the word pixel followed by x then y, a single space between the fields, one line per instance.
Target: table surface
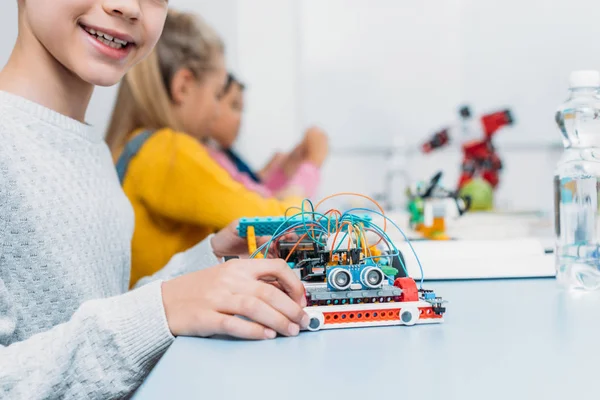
pixel 501 339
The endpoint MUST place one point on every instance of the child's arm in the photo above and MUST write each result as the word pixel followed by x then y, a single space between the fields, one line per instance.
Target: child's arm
pixel 209 252
pixel 175 177
pixel 104 351
pixel 274 163
pixel 110 345
pixel 301 168
pixel 225 163
pixel 305 180
pixel 199 257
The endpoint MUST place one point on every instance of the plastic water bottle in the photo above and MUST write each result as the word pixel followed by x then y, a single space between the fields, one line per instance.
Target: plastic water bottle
pixel 577 185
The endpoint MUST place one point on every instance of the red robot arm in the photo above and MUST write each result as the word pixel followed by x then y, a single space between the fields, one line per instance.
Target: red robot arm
pixel 493 122
pixel 440 139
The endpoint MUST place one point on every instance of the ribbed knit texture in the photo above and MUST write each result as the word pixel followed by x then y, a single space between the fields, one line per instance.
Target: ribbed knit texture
pixel 68 327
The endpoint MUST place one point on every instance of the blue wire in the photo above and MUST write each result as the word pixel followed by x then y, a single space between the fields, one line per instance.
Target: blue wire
pixel 391 246
pixel 303 213
pixel 278 234
pixel 322 230
pixel 399 230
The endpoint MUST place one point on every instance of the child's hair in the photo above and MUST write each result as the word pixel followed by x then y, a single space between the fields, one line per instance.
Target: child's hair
pixel 144 97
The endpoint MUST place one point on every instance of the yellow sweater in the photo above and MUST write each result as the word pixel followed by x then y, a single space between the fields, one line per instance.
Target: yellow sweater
pixel 180 195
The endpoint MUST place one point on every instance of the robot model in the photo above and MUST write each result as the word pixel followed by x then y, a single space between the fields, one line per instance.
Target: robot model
pixel 353 274
pixel 480 159
pixel 430 205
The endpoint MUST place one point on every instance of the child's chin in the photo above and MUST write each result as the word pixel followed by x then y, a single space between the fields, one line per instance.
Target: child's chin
pixel 104 78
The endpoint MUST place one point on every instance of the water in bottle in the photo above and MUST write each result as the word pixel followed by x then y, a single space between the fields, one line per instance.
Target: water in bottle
pixel 577 185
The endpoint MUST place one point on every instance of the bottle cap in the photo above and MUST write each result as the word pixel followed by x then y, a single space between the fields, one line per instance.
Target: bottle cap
pixel 581 79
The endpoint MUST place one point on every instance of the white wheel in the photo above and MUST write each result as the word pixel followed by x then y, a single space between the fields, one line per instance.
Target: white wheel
pixel 409 315
pixel 316 320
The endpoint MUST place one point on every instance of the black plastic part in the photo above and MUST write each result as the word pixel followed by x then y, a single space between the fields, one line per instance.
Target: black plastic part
pixel 354 255
pixel 433 184
pixel 227 258
pixel 468 203
pixel 510 119
pixel 465 112
pixel 439 310
pixel 397 263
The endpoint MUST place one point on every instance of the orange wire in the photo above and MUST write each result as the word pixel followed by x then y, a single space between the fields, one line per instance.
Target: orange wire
pixel 359 195
pixel 336 235
pixel 294 248
pixel 289 230
pixel 334 211
pixel 337 226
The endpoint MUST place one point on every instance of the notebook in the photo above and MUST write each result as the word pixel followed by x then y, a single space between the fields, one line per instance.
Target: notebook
pixel 479 259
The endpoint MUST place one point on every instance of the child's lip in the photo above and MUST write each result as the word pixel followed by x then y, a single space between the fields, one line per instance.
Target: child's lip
pixel 119 35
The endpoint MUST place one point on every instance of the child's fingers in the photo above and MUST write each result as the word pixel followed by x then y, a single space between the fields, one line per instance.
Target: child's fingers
pixel 255 309
pixel 238 327
pixel 281 302
pixel 275 284
pixel 280 271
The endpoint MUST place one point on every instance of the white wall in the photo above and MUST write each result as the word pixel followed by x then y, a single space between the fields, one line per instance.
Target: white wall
pixel 8 29
pixel 268 61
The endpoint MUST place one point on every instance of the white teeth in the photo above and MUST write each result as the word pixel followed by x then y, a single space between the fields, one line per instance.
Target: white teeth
pixel 107 39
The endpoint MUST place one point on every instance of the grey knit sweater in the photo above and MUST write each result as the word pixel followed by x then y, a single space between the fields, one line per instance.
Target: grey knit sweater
pixel 68 329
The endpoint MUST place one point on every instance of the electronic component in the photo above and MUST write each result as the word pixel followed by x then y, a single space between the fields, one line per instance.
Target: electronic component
pixel 353 274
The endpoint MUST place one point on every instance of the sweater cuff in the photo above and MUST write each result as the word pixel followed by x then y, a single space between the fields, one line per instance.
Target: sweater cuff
pixel 199 257
pixel 139 318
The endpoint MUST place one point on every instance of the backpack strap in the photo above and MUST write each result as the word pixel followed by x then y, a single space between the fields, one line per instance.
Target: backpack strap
pixel 131 149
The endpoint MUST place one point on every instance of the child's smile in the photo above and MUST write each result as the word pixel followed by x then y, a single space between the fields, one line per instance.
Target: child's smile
pixel 112 44
pixel 105 37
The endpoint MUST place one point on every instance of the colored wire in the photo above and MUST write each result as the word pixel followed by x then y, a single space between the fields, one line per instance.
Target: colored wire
pixel 311 213
pixel 394 252
pixel 277 234
pixel 311 225
pixel 337 245
pixel 358 195
pixel 399 230
pixel 294 248
pixel 291 208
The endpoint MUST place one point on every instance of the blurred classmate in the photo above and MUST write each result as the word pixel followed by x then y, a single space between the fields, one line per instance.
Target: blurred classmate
pixel 165 106
pixel 299 168
pixel 69 328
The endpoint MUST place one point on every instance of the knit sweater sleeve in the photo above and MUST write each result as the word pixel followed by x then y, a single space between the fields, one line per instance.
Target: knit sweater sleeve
pixel 104 351
pixel 199 257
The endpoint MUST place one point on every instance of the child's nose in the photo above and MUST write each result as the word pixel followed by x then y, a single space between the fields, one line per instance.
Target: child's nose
pixel 128 9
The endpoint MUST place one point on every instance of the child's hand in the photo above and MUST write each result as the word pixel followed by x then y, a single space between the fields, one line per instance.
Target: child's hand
pixel 313 148
pixel 227 242
pixel 206 302
pixel 317 146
